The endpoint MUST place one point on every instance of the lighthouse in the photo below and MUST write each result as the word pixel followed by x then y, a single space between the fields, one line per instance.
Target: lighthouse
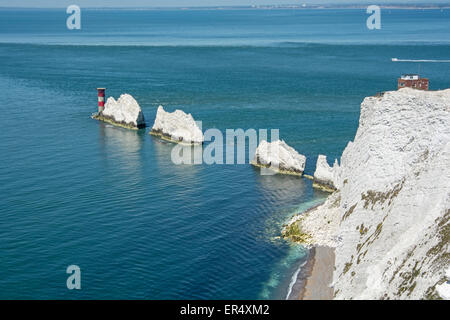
pixel 101 99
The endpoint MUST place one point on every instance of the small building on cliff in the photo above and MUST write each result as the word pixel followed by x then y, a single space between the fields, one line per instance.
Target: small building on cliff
pixel 413 81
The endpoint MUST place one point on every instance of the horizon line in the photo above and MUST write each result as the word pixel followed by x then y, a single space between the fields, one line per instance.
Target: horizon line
pixel 417 5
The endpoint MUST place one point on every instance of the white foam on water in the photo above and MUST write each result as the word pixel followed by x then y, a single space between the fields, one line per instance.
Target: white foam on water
pixel 294 279
pixel 420 60
pixel 281 270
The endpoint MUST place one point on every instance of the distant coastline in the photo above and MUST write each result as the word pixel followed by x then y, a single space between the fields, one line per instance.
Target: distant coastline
pixel 419 6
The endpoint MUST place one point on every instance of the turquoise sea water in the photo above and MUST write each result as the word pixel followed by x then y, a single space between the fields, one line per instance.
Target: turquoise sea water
pixel 76 191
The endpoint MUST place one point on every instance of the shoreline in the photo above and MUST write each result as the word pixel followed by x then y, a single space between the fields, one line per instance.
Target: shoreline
pixel 318 275
pixel 296 218
pixel 324 187
pixel 314 278
pixel 111 121
pixel 168 138
pixel 308 269
pixel 279 171
pixel 304 272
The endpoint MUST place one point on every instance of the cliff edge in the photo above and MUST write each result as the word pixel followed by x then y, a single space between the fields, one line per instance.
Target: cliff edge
pixel 389 218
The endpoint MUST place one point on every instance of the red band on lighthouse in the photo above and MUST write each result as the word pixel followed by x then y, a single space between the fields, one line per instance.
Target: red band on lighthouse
pixel 101 99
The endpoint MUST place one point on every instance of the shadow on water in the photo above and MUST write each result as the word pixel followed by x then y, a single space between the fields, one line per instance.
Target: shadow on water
pixel 121 150
pixel 163 156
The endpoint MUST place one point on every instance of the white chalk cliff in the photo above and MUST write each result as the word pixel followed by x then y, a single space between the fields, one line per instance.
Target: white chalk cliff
pixel 390 215
pixel 443 289
pixel 125 112
pixel 279 156
pixel 324 174
pixel 177 126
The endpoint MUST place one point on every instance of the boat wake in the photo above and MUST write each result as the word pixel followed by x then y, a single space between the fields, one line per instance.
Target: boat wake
pixel 423 60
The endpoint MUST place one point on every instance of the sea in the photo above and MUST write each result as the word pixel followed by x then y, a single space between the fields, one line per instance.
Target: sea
pixel 75 191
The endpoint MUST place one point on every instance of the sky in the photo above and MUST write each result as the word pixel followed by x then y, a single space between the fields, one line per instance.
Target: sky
pixel 188 3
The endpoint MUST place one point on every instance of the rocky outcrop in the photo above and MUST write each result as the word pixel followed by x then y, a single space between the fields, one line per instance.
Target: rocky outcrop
pixel 391 228
pixel 280 157
pixel 124 112
pixel 318 226
pixel 443 289
pixel 177 127
pixel 324 175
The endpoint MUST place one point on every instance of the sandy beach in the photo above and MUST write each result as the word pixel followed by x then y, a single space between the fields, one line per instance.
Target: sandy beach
pixel 319 224
pixel 318 272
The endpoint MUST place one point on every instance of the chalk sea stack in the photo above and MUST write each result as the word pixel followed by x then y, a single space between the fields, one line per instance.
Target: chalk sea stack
pixel 280 157
pixel 125 112
pixel 324 175
pixel 176 127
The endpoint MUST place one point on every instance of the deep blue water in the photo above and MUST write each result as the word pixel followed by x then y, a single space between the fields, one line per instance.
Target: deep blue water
pixel 76 191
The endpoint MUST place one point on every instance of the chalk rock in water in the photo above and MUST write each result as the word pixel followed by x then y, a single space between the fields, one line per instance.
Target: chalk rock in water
pixel 176 126
pixel 124 112
pixel 280 157
pixel 324 175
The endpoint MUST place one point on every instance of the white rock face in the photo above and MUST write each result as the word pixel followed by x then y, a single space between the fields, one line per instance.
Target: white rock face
pixel 177 126
pixel 321 223
pixel 395 198
pixel 279 156
pixel 324 174
pixel 125 111
pixel 444 289
pixel 394 188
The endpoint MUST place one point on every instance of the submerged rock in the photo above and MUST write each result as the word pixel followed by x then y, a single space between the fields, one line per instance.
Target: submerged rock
pixel 280 157
pixel 324 175
pixel 124 112
pixel 177 127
